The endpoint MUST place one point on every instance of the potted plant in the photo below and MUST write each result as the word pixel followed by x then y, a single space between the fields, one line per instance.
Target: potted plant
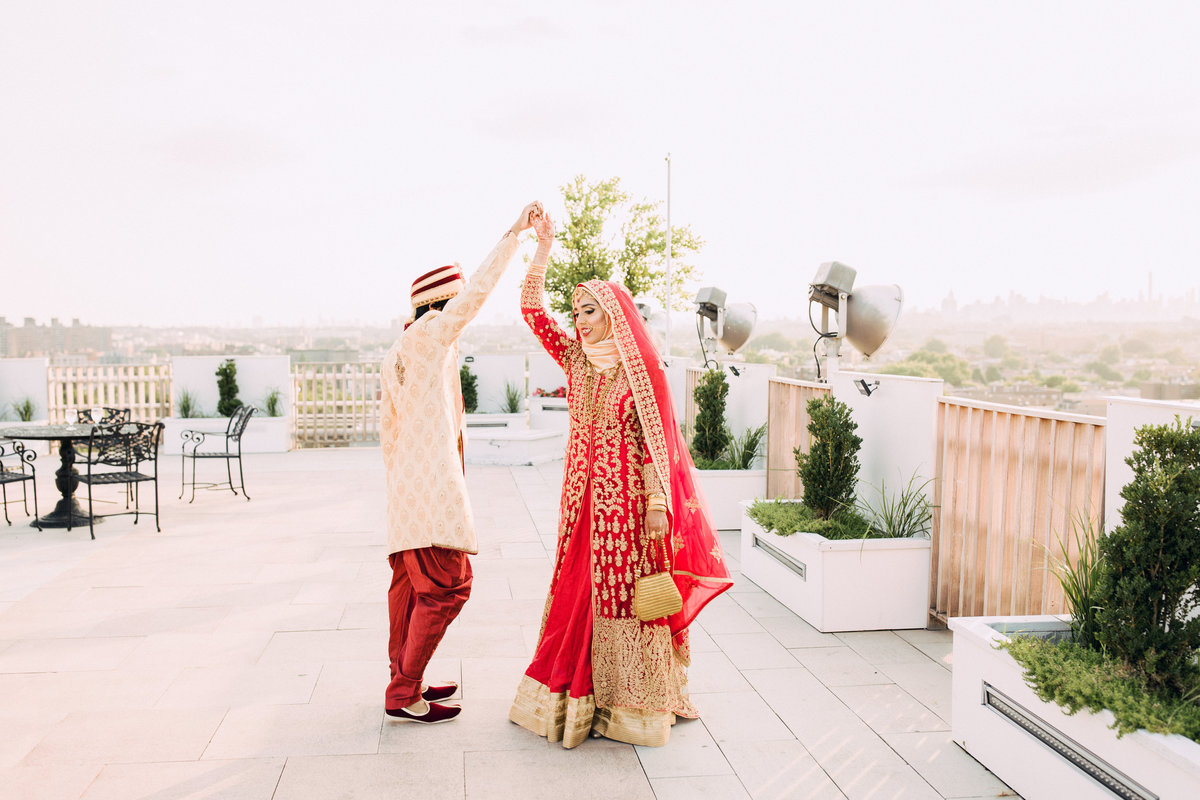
pixel 840 563
pixel 508 418
pixel 1110 691
pixel 724 462
pixel 197 400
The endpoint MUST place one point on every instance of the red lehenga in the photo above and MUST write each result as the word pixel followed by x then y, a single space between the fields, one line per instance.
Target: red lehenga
pixel 598 667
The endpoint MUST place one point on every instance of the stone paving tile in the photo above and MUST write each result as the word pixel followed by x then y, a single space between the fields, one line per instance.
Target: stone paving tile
pixel 839 666
pixel 97 737
pixel 712 671
pixel 882 647
pixel 412 776
pixel 57 782
pixel 780 770
pixel 754 650
pixel 760 604
pixel 724 615
pixel 927 682
pixel 889 709
pixel 371 615
pixel 230 687
pixel 66 655
pixel 946 766
pixel 38 693
pixel 242 779
pixel 717 787
pixel 296 730
pixel 552 773
pixel 740 717
pixel 793 632
pixel 161 620
pixel 691 751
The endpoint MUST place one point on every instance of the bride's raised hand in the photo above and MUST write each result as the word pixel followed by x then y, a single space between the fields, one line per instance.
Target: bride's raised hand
pixel 543 226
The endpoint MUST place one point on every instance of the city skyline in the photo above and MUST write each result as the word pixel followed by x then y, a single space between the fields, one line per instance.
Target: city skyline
pixel 291 161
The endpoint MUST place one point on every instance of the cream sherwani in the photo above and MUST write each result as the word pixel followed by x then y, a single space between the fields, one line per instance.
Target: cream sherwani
pixel 421 420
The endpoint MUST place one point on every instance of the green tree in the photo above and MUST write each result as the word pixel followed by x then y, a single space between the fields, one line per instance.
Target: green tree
pixel 1150 565
pixel 470 388
pixel 712 435
pixel 1104 371
pixel 829 470
pixel 608 236
pixel 992 374
pixel 1054 381
pixel 995 346
pixel 935 346
pixel 926 364
pixel 227 388
pixel 771 341
pixel 1111 354
pixel 1135 347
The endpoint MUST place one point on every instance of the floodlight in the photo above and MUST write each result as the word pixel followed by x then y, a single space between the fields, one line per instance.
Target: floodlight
pixel 731 323
pixel 833 279
pixel 865 316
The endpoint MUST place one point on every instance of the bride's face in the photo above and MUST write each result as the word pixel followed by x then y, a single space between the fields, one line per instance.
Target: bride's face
pixel 590 319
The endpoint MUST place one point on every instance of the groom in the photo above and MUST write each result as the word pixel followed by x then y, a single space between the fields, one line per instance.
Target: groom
pixel 429 523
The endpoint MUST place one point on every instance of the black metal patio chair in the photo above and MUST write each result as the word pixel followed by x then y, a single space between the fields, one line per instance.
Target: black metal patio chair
pixel 232 437
pixel 16 466
pixel 110 416
pixel 125 449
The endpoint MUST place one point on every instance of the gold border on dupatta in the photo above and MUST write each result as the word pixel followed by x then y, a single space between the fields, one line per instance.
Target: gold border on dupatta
pixel 639 382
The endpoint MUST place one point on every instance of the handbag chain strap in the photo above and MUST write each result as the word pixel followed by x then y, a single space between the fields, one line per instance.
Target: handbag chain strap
pixel 645 562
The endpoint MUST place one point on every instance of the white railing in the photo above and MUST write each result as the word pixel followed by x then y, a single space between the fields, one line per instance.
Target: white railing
pixel 336 404
pixel 145 389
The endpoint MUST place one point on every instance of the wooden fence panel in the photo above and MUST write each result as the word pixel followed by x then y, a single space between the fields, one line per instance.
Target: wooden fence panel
pixel 1011 483
pixel 337 404
pixel 787 428
pixel 145 389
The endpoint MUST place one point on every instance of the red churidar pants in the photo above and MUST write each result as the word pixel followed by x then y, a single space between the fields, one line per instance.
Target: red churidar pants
pixel 429 587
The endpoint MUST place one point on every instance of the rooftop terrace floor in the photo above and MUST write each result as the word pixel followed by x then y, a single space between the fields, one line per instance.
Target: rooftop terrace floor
pixel 241 653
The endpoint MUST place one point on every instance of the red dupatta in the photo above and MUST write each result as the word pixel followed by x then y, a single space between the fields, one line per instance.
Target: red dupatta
pixel 698 566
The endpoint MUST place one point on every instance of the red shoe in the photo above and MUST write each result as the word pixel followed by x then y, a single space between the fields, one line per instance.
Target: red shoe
pixel 436 713
pixel 440 692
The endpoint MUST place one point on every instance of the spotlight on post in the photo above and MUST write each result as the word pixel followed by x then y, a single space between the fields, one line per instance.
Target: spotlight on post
pixel 865 317
pixel 730 323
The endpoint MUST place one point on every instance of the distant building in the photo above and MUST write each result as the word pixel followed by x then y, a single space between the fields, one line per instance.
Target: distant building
pixel 1017 394
pixel 30 339
pixel 1158 390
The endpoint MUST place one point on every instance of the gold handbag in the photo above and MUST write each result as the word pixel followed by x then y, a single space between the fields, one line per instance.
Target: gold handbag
pixel 656 595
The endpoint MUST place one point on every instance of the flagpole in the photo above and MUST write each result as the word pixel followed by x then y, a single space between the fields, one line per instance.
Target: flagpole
pixel 669 298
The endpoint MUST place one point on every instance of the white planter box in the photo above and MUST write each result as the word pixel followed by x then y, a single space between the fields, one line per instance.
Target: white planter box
pixel 725 489
pixel 549 413
pixel 988 686
pixel 513 447
pixel 498 422
pixel 844 585
pixel 263 434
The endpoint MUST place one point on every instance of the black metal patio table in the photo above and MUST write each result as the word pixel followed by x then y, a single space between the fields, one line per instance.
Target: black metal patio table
pixel 67 513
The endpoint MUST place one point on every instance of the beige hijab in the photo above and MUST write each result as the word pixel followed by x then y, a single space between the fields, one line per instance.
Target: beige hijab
pixel 603 354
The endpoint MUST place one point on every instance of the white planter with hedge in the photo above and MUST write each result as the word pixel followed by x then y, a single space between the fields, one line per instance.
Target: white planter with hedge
pixel 1038 749
pixel 840 585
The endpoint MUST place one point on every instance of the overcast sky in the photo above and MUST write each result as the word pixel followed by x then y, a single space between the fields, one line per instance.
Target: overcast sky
pixel 216 161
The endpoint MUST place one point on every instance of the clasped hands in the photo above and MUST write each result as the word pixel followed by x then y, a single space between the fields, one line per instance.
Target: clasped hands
pixel 535 216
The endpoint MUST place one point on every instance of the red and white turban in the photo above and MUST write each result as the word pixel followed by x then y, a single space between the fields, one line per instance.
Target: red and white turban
pixel 439 284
